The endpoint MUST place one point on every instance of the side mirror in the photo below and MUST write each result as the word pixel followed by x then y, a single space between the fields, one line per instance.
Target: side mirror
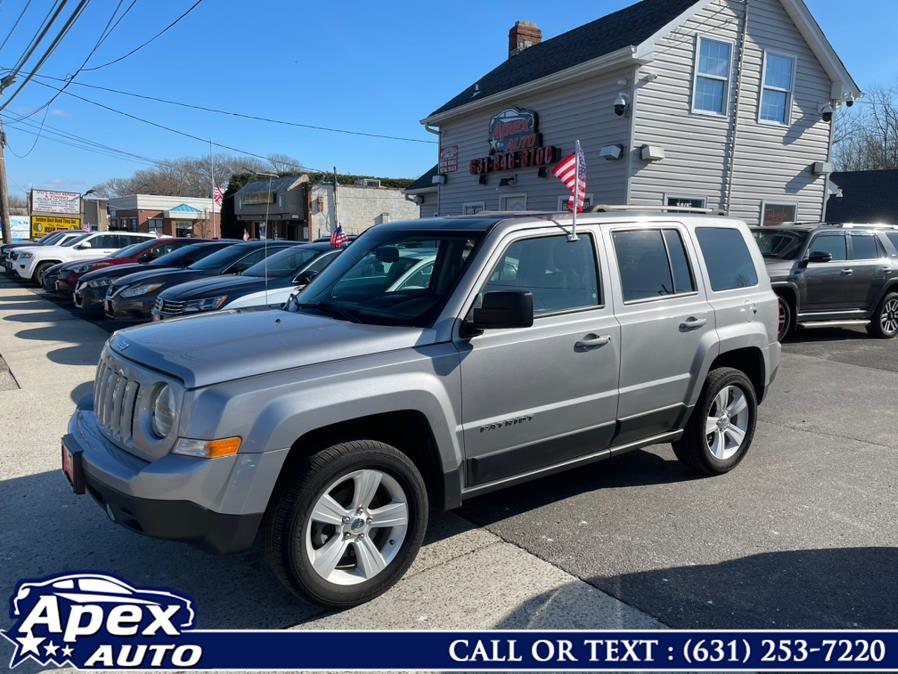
pixel 504 309
pixel 86 244
pixel 820 256
pixel 304 278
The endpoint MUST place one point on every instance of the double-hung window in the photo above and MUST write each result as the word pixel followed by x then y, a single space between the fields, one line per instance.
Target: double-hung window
pixel 711 85
pixel 776 89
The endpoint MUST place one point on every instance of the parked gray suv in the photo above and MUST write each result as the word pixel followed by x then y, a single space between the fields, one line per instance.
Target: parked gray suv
pixel 833 274
pixel 388 389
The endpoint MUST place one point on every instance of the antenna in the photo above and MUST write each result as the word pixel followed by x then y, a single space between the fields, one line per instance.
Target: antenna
pixel 271 176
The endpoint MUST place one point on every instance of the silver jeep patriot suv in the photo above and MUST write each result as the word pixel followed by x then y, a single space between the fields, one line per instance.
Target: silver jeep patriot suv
pixel 433 361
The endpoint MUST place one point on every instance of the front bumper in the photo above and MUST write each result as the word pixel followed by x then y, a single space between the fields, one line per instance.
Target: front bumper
pixel 176 497
pixel 89 299
pixel 130 308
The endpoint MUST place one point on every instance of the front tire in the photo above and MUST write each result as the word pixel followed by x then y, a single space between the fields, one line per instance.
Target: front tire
pixel 884 323
pixel 39 270
pixel 346 523
pixel 722 425
pixel 786 324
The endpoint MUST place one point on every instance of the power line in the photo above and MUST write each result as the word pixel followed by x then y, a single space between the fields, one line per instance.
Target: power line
pixel 15 25
pixel 144 44
pixel 242 115
pixel 62 33
pixel 47 22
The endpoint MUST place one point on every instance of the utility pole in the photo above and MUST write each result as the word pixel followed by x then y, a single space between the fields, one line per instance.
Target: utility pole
pixel 336 213
pixel 4 190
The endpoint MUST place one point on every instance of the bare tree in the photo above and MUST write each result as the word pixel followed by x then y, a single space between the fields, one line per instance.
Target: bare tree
pixel 866 137
pixel 191 176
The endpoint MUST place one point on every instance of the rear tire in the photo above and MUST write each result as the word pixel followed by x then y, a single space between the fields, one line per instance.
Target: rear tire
pixel 326 549
pixel 722 424
pixel 884 322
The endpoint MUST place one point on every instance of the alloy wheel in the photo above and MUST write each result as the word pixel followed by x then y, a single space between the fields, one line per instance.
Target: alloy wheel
pixel 357 527
pixel 889 317
pixel 727 422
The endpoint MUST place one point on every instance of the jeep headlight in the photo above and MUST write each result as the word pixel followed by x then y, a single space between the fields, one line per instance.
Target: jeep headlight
pixel 141 289
pixel 163 411
pixel 205 304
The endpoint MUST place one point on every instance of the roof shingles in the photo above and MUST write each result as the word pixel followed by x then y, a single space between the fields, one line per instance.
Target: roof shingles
pixel 629 26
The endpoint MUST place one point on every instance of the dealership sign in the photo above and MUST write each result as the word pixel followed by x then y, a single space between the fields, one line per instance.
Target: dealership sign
pixel 515 142
pixel 47 224
pixel 51 201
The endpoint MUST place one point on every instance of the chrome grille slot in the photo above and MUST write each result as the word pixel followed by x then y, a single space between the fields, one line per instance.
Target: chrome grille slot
pixel 126 421
pixel 168 307
pixel 115 398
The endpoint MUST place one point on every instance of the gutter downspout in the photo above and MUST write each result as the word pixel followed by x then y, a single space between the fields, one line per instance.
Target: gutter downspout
pixel 436 131
pixel 829 158
pixel 734 122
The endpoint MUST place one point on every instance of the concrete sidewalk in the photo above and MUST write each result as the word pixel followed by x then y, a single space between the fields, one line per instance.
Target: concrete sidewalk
pixel 464 578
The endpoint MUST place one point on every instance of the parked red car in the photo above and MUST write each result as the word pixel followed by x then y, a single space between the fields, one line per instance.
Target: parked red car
pixel 143 252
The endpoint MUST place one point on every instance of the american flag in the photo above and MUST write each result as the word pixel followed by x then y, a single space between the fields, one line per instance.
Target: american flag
pixel 339 237
pixel 217 195
pixel 572 172
pixel 245 234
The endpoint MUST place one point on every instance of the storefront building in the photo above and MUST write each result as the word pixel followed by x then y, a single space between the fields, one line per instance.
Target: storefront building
pixel 165 215
pixel 299 210
pixel 677 103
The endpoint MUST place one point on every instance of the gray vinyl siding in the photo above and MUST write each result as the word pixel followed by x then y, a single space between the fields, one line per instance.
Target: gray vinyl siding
pixel 582 110
pixel 429 206
pixel 772 163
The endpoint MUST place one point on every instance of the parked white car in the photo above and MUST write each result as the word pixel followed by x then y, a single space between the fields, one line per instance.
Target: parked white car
pixel 32 260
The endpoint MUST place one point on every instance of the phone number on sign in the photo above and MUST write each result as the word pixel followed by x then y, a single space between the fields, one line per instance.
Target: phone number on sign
pixel 784 650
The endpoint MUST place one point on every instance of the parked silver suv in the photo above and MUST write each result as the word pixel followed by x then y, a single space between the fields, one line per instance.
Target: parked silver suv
pixel 393 385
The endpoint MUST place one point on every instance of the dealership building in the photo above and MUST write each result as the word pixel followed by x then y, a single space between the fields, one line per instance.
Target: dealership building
pixel 165 215
pixel 677 103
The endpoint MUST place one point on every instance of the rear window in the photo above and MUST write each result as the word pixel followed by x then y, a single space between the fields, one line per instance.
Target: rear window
pixel 727 258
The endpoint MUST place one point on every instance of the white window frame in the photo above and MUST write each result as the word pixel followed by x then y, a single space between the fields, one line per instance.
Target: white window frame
pixel 777 202
pixel 696 75
pixel 680 195
pixel 790 93
pixel 472 204
pixel 562 202
pixel 516 195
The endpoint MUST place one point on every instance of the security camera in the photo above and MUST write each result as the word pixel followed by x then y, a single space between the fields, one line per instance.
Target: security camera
pixel 826 112
pixel 849 102
pixel 620 105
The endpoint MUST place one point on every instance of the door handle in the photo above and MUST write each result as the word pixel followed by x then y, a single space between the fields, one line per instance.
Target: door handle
pixel 591 342
pixel 847 272
pixel 692 323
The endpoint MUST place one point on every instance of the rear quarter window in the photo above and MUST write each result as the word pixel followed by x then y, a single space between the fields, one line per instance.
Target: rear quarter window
pixel 727 258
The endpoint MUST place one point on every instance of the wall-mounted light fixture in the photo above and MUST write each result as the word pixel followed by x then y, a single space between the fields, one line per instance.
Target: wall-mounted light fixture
pixel 651 153
pixel 439 179
pixel 611 152
pixel 505 182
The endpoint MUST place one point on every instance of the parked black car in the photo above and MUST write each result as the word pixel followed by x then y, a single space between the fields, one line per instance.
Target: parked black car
pixel 839 274
pixel 267 283
pixel 132 297
pixel 91 289
pixel 50 275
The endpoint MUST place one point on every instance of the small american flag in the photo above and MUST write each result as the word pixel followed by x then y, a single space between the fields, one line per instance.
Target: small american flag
pixel 245 234
pixel 572 172
pixel 339 237
pixel 217 195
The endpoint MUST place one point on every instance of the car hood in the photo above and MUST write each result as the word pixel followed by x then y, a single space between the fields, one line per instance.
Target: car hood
pixel 778 269
pixel 115 271
pixel 167 276
pixel 216 347
pixel 222 285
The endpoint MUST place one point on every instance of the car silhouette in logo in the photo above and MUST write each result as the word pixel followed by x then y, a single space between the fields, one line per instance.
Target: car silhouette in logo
pixel 513 129
pixel 96 588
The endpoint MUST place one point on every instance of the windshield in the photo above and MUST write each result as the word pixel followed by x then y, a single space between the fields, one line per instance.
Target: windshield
pixel 284 263
pixel 50 238
pixel 75 239
pixel 782 244
pixel 221 258
pixel 391 278
pixel 133 249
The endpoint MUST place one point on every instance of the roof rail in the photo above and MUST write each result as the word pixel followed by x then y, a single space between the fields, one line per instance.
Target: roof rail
pixel 604 208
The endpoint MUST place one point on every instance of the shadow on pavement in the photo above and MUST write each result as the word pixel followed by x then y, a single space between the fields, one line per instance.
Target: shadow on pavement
pixel 638 468
pixel 822 588
pixel 828 335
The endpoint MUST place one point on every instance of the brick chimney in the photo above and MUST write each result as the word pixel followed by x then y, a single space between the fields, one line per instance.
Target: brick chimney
pixel 522 35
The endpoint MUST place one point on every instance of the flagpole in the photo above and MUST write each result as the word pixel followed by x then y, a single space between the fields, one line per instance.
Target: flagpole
pixel 212 160
pixel 573 236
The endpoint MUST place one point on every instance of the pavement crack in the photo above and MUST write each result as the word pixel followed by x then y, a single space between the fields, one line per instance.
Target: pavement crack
pixel 838 436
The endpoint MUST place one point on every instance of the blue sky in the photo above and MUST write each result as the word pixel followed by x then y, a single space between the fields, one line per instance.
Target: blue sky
pixel 375 67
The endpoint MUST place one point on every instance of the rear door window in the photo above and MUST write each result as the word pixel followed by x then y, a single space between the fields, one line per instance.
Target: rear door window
pixel 864 246
pixel 653 263
pixel 727 258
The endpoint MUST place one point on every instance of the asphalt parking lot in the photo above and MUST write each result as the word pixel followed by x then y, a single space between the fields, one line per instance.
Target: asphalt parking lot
pixel 802 534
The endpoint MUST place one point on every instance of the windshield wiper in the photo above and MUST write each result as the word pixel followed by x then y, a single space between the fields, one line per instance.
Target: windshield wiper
pixel 334 310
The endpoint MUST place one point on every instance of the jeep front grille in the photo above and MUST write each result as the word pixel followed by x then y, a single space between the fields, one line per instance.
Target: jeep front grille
pixel 114 399
pixel 168 307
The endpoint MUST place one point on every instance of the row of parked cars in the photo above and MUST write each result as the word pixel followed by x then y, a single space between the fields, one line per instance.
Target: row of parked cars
pixel 137 277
